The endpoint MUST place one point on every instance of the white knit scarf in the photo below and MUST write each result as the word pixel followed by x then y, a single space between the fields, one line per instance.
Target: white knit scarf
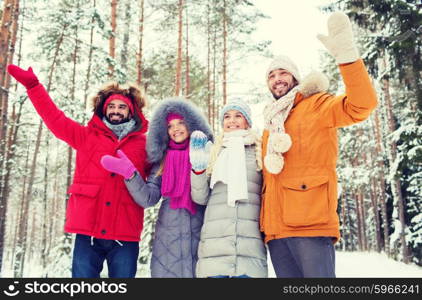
pixel 230 166
pixel 275 114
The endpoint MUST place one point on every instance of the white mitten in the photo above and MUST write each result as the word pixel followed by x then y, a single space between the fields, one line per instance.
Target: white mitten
pixel 199 150
pixel 339 41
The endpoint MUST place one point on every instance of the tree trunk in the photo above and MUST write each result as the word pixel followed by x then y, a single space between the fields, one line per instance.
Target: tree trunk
pixel 374 203
pixel 72 96
pixel 187 75
pixel 90 54
pixel 209 61
pixel 31 241
pixel 112 40
pixel 359 221
pixel 349 225
pixel 9 27
pixel 381 176
pixel 5 33
pixel 10 151
pixel 417 74
pixel 377 225
pixel 395 183
pixel 343 221
pixel 361 199
pixel 141 37
pixel 45 219
pixel 12 138
pixel 224 52
pixel 125 46
pixel 22 221
pixel 4 102
pixel 214 81
pixel 179 52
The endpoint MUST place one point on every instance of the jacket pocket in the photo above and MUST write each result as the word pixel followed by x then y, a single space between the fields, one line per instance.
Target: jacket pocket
pixel 305 201
pixel 88 190
pixel 129 217
pixel 81 210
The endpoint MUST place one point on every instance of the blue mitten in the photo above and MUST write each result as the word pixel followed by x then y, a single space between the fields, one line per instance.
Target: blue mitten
pixel 199 150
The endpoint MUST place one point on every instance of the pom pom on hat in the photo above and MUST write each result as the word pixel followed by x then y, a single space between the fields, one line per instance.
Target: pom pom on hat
pixel 285 63
pixel 239 105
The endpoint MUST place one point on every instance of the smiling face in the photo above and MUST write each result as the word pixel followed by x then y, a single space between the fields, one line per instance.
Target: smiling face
pixel 117 112
pixel 280 82
pixel 234 120
pixel 177 130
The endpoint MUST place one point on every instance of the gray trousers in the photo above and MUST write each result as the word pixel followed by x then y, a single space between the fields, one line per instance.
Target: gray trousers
pixel 303 257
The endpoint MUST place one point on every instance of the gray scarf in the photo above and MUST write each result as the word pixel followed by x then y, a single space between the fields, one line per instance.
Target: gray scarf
pixel 121 130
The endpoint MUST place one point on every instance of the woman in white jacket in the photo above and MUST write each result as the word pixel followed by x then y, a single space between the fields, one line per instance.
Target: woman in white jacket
pixel 231 244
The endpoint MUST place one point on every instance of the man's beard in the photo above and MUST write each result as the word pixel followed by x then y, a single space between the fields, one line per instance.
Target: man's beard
pixel 276 97
pixel 119 121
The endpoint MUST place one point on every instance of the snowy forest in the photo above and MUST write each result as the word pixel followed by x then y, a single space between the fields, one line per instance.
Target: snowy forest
pixel 187 48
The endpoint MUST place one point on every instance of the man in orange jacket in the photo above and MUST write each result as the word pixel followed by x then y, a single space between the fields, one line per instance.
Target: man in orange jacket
pixel 299 202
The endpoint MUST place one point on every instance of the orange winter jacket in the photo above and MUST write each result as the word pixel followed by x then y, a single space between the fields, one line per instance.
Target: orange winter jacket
pixel 302 199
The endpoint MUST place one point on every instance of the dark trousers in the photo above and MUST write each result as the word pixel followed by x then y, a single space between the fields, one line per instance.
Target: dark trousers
pixel 88 258
pixel 303 257
pixel 226 276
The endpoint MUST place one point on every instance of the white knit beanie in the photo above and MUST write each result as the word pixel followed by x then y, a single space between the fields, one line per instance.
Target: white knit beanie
pixel 284 62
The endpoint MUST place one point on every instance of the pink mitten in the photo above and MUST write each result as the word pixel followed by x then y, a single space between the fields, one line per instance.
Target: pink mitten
pixel 27 78
pixel 121 165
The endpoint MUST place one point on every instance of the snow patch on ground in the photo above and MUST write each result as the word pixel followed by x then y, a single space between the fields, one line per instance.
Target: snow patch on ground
pixel 368 264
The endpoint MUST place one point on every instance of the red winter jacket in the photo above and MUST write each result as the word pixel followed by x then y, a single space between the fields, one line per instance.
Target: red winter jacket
pixel 100 204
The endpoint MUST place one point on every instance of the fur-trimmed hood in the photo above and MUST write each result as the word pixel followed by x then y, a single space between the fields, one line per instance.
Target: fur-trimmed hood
pixel 133 92
pixel 314 82
pixel 158 139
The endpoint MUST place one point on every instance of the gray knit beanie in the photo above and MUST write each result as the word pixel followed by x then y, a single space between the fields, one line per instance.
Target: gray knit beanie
pixel 239 105
pixel 284 62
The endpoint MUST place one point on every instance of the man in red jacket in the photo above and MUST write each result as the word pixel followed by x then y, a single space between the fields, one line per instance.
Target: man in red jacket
pixel 100 210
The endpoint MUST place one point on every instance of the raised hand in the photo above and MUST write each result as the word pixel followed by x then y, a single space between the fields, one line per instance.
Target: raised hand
pixel 120 165
pixel 27 78
pixel 339 41
pixel 199 150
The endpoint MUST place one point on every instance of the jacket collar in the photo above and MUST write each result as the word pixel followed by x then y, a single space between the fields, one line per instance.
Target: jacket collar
pixel 314 82
pixel 98 124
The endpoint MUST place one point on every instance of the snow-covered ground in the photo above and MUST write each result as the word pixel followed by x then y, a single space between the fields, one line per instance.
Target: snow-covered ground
pixel 372 264
pixel 348 264
pixel 369 264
